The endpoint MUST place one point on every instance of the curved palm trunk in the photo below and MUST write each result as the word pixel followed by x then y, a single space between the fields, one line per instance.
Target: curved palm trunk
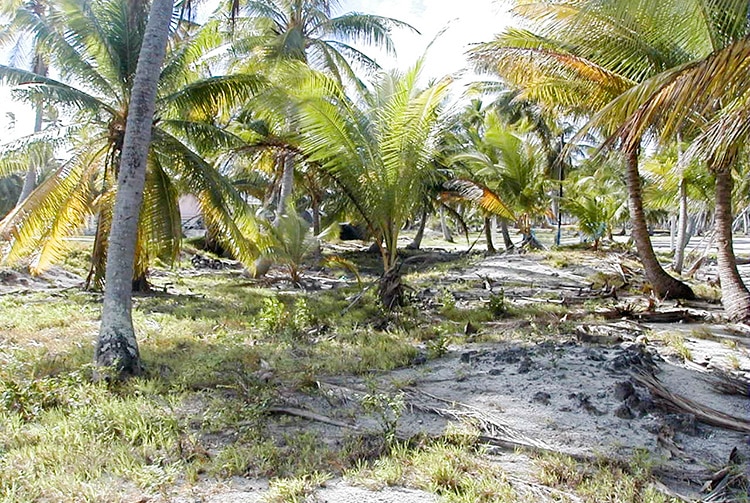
pixel 417 241
pixel 734 294
pixel 116 346
pixel 506 235
pixel 663 284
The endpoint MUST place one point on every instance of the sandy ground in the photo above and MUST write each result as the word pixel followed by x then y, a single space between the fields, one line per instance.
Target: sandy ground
pixel 562 395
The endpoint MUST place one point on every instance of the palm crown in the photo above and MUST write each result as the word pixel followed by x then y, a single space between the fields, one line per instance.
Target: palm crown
pixel 95 49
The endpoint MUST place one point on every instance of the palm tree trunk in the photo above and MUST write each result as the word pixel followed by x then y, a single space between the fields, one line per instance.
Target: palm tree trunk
pixel 663 284
pixel 417 241
pixel 734 294
pixel 488 235
pixel 506 235
pixel 263 264
pixel 29 181
pixel 287 185
pixel 679 251
pixel 444 226
pixel 116 346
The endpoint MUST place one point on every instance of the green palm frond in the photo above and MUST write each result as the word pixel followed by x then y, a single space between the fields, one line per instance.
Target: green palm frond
pixel 50 89
pixel 364 28
pixel 35 150
pixel 205 138
pixel 209 96
pixel 160 228
pixel 381 154
pixel 221 205
pixel 57 208
pixel 682 96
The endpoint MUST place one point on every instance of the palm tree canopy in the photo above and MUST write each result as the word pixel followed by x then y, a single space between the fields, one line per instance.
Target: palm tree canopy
pixel 378 152
pixel 96 47
pixel 308 31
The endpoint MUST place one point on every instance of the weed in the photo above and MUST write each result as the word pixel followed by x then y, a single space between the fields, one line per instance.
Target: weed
pixel 456 472
pixel 295 490
pixel 734 362
pixel 388 409
pixel 447 301
pixel 676 341
pixel 602 481
pixel 438 347
pixel 497 304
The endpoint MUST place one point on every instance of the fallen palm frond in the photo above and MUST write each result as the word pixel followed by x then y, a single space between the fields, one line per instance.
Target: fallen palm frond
pixel 681 404
pixel 728 384
pixel 730 484
pixel 493 430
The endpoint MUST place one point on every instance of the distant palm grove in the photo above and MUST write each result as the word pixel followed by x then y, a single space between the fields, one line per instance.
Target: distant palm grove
pixel 610 116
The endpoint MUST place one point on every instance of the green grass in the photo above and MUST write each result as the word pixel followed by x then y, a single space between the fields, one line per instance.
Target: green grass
pixel 455 471
pixel 602 481
pixel 200 409
pixel 219 352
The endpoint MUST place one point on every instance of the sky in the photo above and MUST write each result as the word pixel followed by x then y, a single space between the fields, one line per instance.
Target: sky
pixel 462 23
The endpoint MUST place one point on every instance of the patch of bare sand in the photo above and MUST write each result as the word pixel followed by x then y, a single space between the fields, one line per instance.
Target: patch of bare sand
pixel 14 281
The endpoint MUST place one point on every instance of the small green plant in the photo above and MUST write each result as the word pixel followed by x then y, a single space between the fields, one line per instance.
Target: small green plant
pixel 676 341
pixel 388 409
pixel 272 317
pixel 447 301
pixel 497 304
pixel 437 347
pixel 734 362
pixel 295 490
pixel 275 319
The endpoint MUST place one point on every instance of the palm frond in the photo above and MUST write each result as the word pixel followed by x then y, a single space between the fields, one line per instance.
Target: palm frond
pixel 482 196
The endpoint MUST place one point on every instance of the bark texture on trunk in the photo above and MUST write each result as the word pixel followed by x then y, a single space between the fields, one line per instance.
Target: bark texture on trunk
pixel 116 347
pixel 734 294
pixel 663 284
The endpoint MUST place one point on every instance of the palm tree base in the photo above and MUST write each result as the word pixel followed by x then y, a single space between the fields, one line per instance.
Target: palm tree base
pixel 391 290
pixel 116 357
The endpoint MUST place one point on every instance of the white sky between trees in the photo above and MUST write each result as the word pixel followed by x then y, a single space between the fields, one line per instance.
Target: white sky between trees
pixel 462 23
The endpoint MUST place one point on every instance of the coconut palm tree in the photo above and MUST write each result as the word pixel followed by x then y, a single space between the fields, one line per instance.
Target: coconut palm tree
pixel 667 178
pixel 579 55
pixel 505 165
pixel 27 25
pixel 712 95
pixel 98 48
pixel 378 152
pixel 596 197
pixel 308 32
pixel 27 21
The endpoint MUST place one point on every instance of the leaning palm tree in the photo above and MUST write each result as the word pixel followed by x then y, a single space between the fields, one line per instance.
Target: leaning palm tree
pixel 99 46
pixel 378 152
pixel 579 55
pixel 712 95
